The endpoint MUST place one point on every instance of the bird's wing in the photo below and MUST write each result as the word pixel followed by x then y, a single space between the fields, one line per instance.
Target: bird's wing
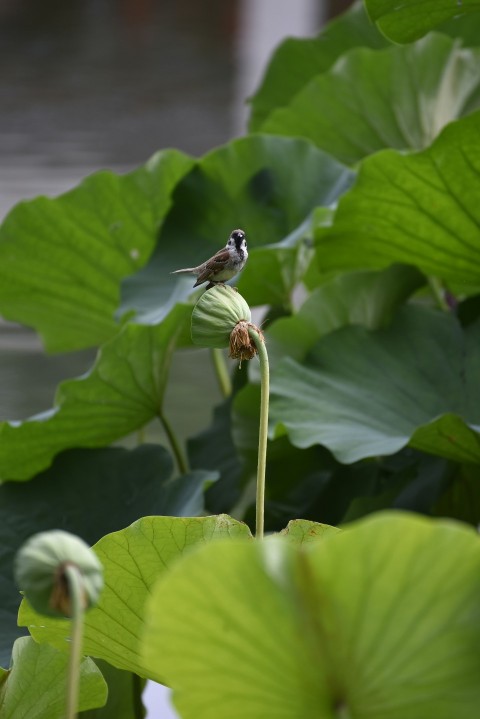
pixel 214 265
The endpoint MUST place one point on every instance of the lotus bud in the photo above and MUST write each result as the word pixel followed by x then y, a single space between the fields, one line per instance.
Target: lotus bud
pixel 221 318
pixel 41 572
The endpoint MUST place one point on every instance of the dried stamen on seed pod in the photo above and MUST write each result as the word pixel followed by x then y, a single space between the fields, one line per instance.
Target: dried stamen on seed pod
pixel 60 600
pixel 241 345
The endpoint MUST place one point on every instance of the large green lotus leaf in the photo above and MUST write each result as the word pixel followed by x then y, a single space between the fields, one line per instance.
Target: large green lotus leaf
pixel 362 624
pixel 132 559
pixel 297 60
pixel 36 684
pixel 400 97
pixel 407 20
pixel 365 393
pixel 419 209
pixel 364 298
pixel 223 632
pixel 266 185
pixel 396 597
pixel 62 260
pixel 117 485
pixel 123 391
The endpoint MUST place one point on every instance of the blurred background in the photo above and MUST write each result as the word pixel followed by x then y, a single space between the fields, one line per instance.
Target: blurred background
pixel 92 84
pixel 86 84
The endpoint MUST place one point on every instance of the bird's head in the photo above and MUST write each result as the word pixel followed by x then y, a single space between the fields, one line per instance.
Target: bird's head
pixel 237 241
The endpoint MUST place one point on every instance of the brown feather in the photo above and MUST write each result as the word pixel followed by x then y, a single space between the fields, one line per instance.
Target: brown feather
pixel 214 265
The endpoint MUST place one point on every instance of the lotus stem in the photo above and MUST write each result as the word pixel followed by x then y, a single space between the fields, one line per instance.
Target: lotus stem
pixel 263 430
pixel 437 292
pixel 221 371
pixel 177 451
pixel 76 593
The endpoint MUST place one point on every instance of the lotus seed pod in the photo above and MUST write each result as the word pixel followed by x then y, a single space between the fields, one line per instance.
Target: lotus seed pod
pixel 216 314
pixel 40 571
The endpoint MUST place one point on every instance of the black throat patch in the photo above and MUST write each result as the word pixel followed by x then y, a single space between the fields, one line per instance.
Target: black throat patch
pixel 238 239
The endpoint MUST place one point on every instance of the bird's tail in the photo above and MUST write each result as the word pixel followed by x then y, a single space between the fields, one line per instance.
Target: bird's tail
pixel 185 270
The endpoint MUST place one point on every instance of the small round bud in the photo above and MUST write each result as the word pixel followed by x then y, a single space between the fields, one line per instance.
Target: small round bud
pixel 216 314
pixel 41 571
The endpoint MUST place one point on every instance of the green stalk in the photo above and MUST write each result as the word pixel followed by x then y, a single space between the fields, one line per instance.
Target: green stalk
pixel 437 292
pixel 181 460
pixel 75 591
pixel 263 430
pixel 343 712
pixel 221 371
pixel 138 686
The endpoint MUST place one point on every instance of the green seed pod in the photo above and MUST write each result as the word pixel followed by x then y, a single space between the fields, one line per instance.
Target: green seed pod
pixel 40 571
pixel 216 315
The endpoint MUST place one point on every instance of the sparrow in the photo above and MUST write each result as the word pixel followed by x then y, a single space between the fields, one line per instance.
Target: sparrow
pixel 224 265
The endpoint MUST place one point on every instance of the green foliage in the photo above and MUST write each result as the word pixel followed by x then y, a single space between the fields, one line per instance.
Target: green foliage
pixel 35 684
pixel 122 392
pixel 300 626
pixel 363 393
pixel 117 485
pixel 298 60
pixel 400 97
pixel 366 284
pixel 353 298
pixel 407 20
pixel 62 260
pixel 133 559
pixel 418 208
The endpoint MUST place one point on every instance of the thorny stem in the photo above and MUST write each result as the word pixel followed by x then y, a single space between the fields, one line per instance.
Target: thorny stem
pixel 75 588
pixel 180 458
pixel 263 430
pixel 221 371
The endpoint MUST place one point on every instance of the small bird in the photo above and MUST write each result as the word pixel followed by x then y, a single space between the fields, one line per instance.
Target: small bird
pixel 224 265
